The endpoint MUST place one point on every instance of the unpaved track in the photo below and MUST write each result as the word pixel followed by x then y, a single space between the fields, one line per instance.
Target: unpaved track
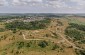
pixel 30 39
pixel 62 36
pixel 54 40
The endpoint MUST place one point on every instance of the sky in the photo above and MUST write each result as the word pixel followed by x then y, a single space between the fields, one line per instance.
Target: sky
pixel 42 6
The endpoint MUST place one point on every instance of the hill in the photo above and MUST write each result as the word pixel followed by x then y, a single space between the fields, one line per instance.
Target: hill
pixel 48 36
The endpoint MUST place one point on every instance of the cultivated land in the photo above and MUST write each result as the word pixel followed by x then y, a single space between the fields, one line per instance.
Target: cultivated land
pixel 44 36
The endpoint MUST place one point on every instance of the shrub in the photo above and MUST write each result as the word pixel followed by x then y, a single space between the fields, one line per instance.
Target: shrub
pixel 43 44
pixel 55 47
pixel 28 44
pixel 82 41
pixel 59 23
pixel 2 37
pixel 55 35
pixel 80 52
pixel 20 45
pixel 2 29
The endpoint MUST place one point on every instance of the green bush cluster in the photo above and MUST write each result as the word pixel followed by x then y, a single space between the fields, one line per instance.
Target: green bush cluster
pixel 80 52
pixel 43 44
pixel 82 42
pixel 77 26
pixel 75 31
pixel 21 44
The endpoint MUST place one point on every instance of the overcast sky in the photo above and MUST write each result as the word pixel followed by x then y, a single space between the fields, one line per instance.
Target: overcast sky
pixel 42 6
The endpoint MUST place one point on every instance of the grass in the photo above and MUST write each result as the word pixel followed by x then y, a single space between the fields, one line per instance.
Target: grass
pixel 75 34
pixel 33 47
pixel 76 21
pixel 76 28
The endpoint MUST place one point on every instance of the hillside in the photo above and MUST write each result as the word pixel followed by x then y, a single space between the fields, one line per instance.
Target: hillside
pixel 49 36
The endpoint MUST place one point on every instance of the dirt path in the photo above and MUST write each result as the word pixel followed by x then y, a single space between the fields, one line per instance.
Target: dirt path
pixel 30 39
pixel 54 40
pixel 61 35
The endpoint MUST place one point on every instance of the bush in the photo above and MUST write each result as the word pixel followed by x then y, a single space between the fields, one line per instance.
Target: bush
pixel 82 42
pixel 2 37
pixel 28 44
pixel 14 30
pixel 20 45
pixel 55 47
pixel 55 35
pixel 2 29
pixel 59 23
pixel 20 33
pixel 43 44
pixel 80 52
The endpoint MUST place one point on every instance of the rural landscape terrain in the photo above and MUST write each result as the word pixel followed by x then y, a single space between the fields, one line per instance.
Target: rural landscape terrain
pixel 42 34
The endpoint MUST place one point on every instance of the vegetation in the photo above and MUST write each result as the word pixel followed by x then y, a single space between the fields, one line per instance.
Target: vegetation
pixel 77 26
pixel 20 45
pixel 80 52
pixel 55 47
pixel 75 31
pixel 59 23
pixel 23 44
pixel 50 41
pixel 33 25
pixel 43 44
pixel 2 29
pixel 2 37
pixel 55 35
pixel 82 42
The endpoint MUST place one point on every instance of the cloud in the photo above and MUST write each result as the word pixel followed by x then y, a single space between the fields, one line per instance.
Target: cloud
pixel 25 2
pixel 56 3
pixel 80 4
pixel 69 4
pixel 42 3
pixel 3 2
pixel 17 2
